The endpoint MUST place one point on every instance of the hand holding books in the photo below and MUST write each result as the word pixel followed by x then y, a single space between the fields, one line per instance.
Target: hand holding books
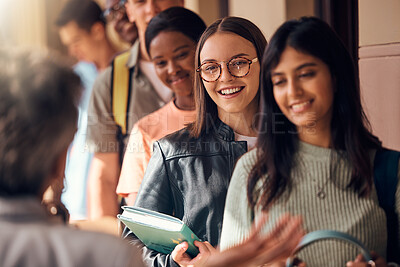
pixel 167 234
pixel 158 231
pixel 256 250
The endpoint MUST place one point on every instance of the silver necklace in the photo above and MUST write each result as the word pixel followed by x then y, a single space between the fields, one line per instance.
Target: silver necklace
pixel 321 194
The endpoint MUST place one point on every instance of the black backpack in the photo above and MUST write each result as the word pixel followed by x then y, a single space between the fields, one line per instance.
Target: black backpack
pixel 385 178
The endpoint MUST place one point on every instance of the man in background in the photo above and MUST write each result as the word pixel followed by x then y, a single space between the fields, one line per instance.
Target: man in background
pixel 82 29
pixel 115 14
pixel 146 93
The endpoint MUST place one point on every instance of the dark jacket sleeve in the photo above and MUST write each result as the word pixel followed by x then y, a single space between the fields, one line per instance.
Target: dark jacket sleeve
pixel 154 194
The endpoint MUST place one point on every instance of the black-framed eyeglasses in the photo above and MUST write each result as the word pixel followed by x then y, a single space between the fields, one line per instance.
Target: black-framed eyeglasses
pixel 114 11
pixel 238 67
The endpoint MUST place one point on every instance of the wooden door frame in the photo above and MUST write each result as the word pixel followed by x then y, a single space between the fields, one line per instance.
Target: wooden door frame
pixel 342 16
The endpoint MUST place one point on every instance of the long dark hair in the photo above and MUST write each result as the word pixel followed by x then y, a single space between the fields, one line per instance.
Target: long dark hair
pixel 278 141
pixel 175 19
pixel 206 108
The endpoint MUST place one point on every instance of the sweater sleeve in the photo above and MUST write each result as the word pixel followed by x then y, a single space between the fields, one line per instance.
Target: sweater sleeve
pixel 238 215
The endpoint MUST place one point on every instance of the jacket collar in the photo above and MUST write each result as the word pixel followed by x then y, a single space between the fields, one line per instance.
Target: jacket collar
pixel 134 55
pixel 223 131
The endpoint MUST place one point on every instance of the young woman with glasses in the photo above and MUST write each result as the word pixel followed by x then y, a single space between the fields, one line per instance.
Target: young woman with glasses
pixel 315 152
pixel 189 171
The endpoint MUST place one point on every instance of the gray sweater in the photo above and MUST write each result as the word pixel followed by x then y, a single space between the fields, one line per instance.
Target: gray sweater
pixel 340 210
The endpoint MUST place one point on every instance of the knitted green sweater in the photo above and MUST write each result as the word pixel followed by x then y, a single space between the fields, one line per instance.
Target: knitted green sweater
pixel 341 209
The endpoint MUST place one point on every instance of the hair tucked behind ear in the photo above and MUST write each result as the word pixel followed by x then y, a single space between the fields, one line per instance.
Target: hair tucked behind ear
pixel 278 141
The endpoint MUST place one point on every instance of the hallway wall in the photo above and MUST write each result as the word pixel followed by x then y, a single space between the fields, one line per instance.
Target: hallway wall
pixel 379 64
pixel 268 15
pixel 22 23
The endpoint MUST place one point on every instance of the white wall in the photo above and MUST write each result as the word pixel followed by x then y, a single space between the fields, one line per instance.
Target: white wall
pixel 266 14
pixel 379 21
pixel 379 39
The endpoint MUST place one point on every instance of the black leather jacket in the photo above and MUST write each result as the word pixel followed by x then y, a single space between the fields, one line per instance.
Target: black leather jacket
pixel 188 178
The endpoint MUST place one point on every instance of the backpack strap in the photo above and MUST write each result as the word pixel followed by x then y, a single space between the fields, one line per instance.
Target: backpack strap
pixel 385 178
pixel 120 90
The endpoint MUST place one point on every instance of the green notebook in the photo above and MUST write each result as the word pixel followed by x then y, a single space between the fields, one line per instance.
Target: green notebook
pixel 158 231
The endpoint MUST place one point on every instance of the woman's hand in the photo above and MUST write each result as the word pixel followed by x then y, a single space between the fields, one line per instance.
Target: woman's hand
pixel 360 261
pixel 259 249
pixel 180 256
pixel 256 250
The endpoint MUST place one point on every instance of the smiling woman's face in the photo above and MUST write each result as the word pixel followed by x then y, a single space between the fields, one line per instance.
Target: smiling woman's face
pixel 231 94
pixel 173 56
pixel 303 89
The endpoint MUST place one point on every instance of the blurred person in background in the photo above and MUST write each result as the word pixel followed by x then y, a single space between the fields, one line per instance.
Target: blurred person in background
pixel 115 14
pixel 39 100
pixel 107 138
pixel 82 29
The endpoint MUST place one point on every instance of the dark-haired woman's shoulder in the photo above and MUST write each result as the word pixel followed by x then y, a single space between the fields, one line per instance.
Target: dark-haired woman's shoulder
pixel 247 161
pixel 241 173
pixel 238 215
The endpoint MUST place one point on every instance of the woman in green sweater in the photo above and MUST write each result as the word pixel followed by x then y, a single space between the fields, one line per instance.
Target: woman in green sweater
pixel 315 151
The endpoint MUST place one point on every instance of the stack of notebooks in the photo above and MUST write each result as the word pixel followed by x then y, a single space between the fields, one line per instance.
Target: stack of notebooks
pixel 158 231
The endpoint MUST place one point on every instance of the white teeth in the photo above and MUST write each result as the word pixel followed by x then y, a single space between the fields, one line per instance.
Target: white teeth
pixel 230 91
pixel 176 80
pixel 297 107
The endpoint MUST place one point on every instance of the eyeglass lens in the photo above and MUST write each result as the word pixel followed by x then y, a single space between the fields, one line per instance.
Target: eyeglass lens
pixel 114 11
pixel 237 67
